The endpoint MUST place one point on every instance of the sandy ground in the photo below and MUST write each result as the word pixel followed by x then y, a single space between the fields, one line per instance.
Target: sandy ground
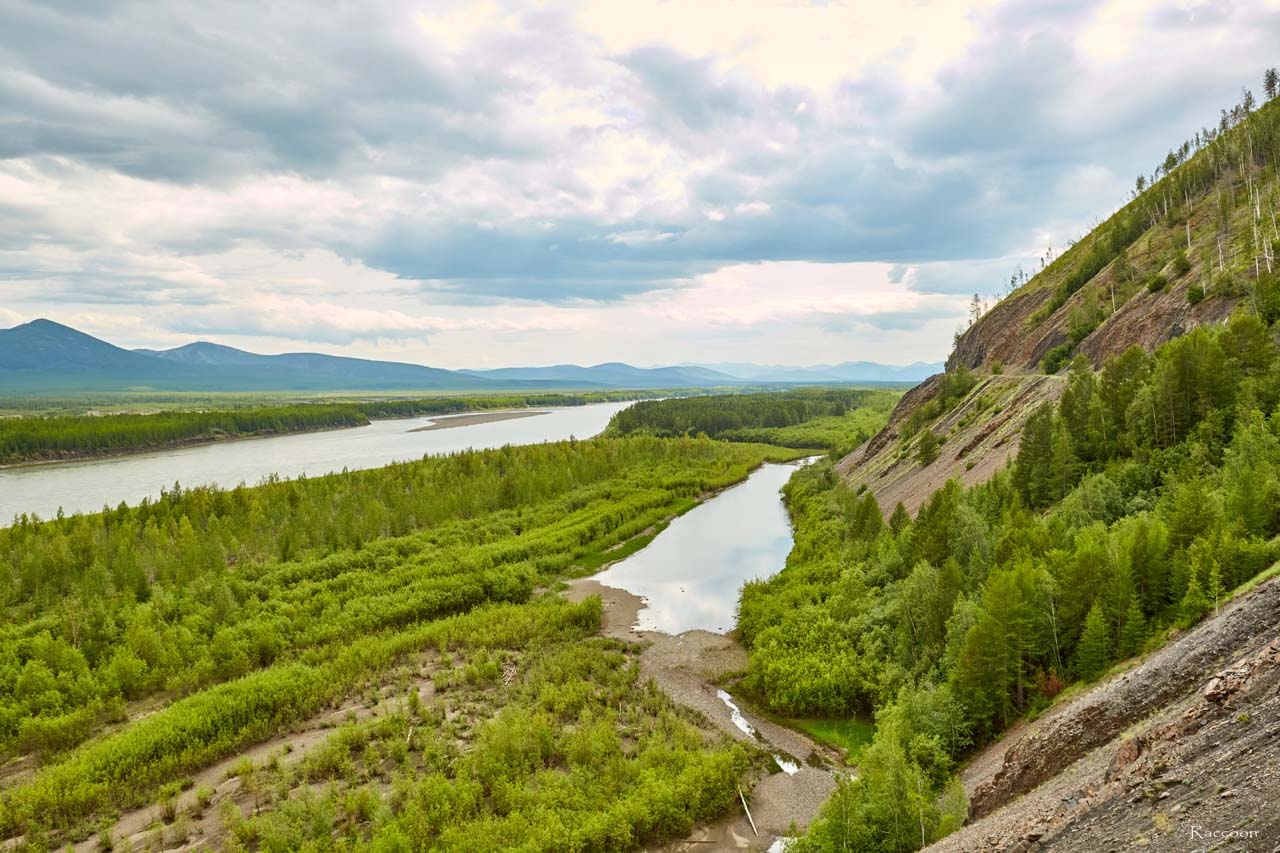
pixel 475 418
pixel 143 828
pixel 687 667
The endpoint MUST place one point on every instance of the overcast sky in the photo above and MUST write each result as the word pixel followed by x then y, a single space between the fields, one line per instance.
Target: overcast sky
pixel 486 183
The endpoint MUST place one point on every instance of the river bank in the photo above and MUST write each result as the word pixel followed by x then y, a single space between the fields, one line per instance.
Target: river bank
pixel 690 667
pixel 72 457
pixel 473 418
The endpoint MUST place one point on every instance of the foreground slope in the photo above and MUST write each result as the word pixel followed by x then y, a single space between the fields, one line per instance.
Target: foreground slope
pixel 1176 753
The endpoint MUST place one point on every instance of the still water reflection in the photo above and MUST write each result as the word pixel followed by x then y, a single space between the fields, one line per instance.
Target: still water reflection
pixel 690 574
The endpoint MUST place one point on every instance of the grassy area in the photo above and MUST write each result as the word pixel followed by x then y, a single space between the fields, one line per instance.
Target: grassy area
pixel 850 735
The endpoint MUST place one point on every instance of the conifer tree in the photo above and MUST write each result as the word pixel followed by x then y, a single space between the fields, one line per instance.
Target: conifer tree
pixel 1093 653
pixel 900 519
pixel 1031 469
pixel 1194 603
pixel 1134 633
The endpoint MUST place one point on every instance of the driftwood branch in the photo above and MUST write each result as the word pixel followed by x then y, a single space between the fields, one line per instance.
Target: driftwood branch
pixel 748 811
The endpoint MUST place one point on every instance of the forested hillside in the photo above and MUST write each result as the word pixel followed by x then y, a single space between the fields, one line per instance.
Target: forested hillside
pixel 1136 504
pixel 1198 237
pixel 1141 490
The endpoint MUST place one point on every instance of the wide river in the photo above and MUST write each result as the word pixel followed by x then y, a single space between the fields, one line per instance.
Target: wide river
pixel 689 576
pixel 89 485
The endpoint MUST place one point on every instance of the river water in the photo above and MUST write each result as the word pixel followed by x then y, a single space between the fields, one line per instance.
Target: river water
pixel 690 574
pixel 89 485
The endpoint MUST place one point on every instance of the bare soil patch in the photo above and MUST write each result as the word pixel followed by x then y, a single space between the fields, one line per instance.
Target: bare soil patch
pixel 473 419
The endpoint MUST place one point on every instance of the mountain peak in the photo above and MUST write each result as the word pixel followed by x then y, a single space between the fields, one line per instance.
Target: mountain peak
pixel 43 324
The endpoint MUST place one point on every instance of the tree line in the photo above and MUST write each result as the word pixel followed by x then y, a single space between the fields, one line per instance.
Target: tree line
pixel 834 419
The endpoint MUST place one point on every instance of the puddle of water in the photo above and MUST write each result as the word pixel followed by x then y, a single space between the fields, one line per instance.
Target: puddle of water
pixel 789 767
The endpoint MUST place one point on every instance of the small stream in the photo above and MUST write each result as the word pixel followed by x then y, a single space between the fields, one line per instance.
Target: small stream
pixel 692 572
pixel 788 766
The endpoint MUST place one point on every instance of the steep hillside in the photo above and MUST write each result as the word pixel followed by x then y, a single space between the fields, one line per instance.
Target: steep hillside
pixel 978 437
pixel 1197 238
pixel 1173 754
pixel 1044 629
pixel 1195 244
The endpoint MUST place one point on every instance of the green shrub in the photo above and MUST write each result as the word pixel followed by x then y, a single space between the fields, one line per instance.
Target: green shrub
pixel 1056 358
pixel 927 447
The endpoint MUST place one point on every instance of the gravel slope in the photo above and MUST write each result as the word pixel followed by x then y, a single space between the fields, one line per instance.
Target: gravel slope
pixel 1180 753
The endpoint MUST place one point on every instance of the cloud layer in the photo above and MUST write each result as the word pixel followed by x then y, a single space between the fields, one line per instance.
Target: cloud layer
pixel 490 183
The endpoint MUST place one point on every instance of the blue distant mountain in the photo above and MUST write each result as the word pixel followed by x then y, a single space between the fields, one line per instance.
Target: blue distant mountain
pixel 44 357
pixel 849 371
pixel 612 374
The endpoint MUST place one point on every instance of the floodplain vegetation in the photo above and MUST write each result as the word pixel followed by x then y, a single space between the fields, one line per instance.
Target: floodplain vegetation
pixel 832 419
pixel 142 646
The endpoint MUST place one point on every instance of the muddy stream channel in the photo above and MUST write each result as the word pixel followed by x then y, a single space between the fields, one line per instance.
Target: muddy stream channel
pixel 679 595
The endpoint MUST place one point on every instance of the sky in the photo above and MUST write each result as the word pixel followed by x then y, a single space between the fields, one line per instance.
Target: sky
pixel 484 184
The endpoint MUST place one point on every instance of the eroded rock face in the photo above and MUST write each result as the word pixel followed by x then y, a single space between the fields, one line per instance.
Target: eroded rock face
pixel 1007 333
pixel 1236 681
pixel 980 435
pixel 1104 712
pixel 1200 772
pixel 1126 754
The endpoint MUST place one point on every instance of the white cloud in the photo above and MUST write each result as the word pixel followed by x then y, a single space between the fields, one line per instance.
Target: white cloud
pixel 498 182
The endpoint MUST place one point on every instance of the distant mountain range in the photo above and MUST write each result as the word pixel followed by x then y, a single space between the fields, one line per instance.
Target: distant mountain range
pixel 849 371
pixel 44 357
